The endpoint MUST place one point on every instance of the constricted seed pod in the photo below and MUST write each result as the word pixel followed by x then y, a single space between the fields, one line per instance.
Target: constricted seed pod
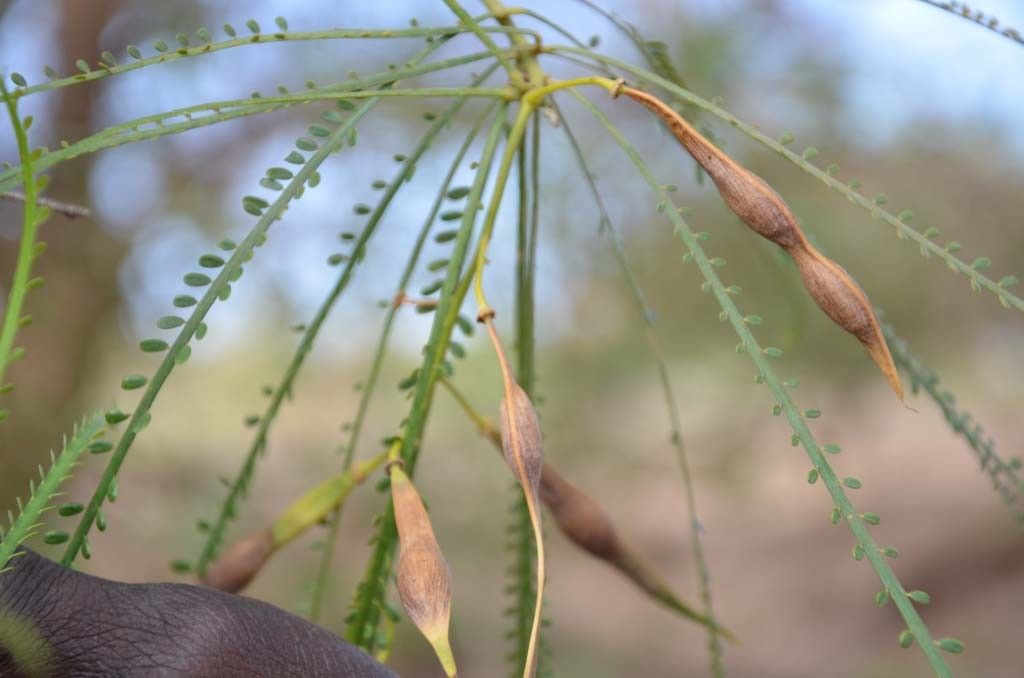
pixel 424 580
pixel 237 566
pixel 588 526
pixel 768 215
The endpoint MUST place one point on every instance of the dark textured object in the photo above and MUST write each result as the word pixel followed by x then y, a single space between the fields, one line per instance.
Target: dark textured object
pixel 75 625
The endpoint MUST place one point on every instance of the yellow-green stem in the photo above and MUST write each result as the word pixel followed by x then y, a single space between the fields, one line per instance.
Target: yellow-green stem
pixel 527 60
pixel 531 99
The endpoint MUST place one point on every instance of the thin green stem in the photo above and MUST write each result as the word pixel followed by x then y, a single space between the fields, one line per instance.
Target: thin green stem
pixel 530 101
pixel 41 495
pixel 32 216
pixel 128 132
pixel 105 70
pixel 480 33
pixel 348 451
pixel 363 622
pixel 668 392
pixel 903 230
pixel 867 546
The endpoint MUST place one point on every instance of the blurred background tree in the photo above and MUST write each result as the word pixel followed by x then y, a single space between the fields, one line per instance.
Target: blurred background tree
pixel 915 103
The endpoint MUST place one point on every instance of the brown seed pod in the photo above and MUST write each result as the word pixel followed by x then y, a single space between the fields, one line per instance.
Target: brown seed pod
pixel 578 516
pixel 237 566
pixel 588 526
pixel 523 447
pixel 842 300
pixel 768 215
pixel 424 580
pixel 521 439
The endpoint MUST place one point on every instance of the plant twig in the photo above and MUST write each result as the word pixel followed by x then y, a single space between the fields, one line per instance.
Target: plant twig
pixel 69 210
pixel 978 17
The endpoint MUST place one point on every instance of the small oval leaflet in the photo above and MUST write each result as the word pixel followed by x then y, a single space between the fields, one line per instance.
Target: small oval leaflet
pixel 153 345
pixel 196 279
pixel 115 416
pixel 54 537
pixel 210 261
pixel 429 289
pixel 184 301
pixel 70 509
pixel 100 446
pixel 133 381
pixel 919 597
pixel 465 324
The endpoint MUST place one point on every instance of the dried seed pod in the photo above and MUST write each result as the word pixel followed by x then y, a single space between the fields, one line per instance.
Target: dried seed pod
pixel 521 439
pixel 523 447
pixel 424 580
pixel 842 300
pixel 768 215
pixel 588 526
pixel 579 517
pixel 237 566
